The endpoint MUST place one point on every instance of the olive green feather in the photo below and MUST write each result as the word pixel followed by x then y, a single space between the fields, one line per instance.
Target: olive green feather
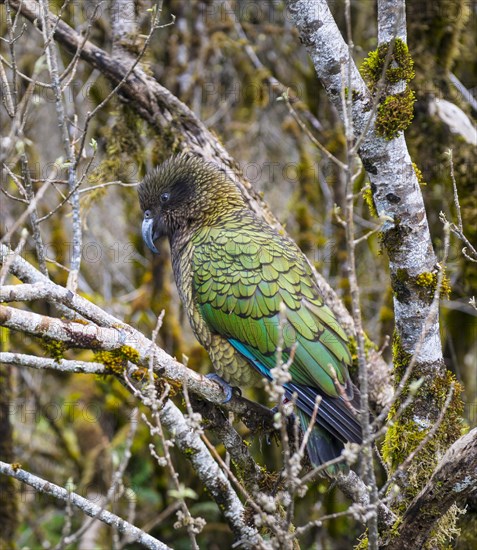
pixel 254 271
pixel 248 290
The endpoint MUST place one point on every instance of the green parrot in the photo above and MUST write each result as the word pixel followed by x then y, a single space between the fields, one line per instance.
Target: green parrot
pixel 245 288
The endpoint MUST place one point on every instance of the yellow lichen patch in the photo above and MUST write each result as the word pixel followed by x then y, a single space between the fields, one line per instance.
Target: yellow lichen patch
pixel 424 285
pixel 141 374
pixel 54 348
pixel 81 321
pixel 429 280
pixel 112 360
pixel 368 199
pixel 130 353
pixel 174 386
pixel 116 360
pixel 363 543
pixel 426 279
pixel 419 176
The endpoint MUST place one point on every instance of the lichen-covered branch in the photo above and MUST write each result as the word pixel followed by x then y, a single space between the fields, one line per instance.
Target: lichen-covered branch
pixel 86 506
pixel 381 107
pixel 355 489
pixel 251 475
pixel 396 192
pixel 70 333
pixel 47 363
pixel 191 445
pixel 124 340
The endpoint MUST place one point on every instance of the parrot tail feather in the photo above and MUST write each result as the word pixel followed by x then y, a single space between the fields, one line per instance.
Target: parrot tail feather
pixel 334 415
pixel 322 448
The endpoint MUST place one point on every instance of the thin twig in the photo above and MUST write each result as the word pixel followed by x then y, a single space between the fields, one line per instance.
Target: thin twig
pixel 117 481
pixel 52 61
pixel 456 194
pixel 11 25
pixel 369 475
pixel 40 249
pixel 154 26
pixel 107 184
pixel 311 137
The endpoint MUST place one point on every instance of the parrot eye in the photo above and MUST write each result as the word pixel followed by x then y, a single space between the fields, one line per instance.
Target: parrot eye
pixel 147 214
pixel 165 197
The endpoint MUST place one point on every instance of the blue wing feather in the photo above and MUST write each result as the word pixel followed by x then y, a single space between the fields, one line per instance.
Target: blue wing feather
pixel 334 415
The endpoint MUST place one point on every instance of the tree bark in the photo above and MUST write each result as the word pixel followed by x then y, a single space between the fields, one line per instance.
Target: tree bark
pixel 453 481
pixel 396 191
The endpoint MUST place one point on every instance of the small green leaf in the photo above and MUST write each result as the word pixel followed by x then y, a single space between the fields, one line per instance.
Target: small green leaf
pixel 183 492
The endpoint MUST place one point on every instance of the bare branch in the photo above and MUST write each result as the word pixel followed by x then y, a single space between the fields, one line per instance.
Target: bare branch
pixel 408 250
pixel 31 207
pixel 210 473
pixel 40 249
pixel 355 489
pixel 71 333
pixel 311 137
pixel 52 61
pixel 90 509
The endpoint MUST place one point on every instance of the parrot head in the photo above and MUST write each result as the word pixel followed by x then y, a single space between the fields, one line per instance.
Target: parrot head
pixel 183 193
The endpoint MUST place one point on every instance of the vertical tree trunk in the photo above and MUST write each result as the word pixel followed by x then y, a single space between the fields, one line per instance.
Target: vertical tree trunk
pixel 397 197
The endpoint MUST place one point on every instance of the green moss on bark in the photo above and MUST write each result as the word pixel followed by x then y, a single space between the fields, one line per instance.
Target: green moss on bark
pixel 381 70
pixel 400 65
pixel 395 114
pixel 406 433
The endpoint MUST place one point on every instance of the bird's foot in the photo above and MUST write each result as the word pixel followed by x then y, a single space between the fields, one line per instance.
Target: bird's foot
pixel 226 387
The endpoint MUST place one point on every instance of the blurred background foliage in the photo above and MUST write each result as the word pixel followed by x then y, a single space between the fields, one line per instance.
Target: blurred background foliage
pixel 75 427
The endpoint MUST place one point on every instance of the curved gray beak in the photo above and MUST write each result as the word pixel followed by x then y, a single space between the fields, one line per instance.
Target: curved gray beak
pixel 149 235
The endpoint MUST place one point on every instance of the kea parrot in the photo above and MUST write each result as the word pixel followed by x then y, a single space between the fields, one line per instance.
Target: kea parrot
pixel 246 288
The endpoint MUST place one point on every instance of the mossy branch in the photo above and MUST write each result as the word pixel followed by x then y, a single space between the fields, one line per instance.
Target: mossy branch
pixel 454 479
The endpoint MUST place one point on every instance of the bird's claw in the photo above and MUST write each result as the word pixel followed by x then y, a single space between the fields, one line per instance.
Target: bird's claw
pixel 226 387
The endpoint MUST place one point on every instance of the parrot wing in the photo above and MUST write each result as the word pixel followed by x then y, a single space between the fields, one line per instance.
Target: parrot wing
pixel 254 287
